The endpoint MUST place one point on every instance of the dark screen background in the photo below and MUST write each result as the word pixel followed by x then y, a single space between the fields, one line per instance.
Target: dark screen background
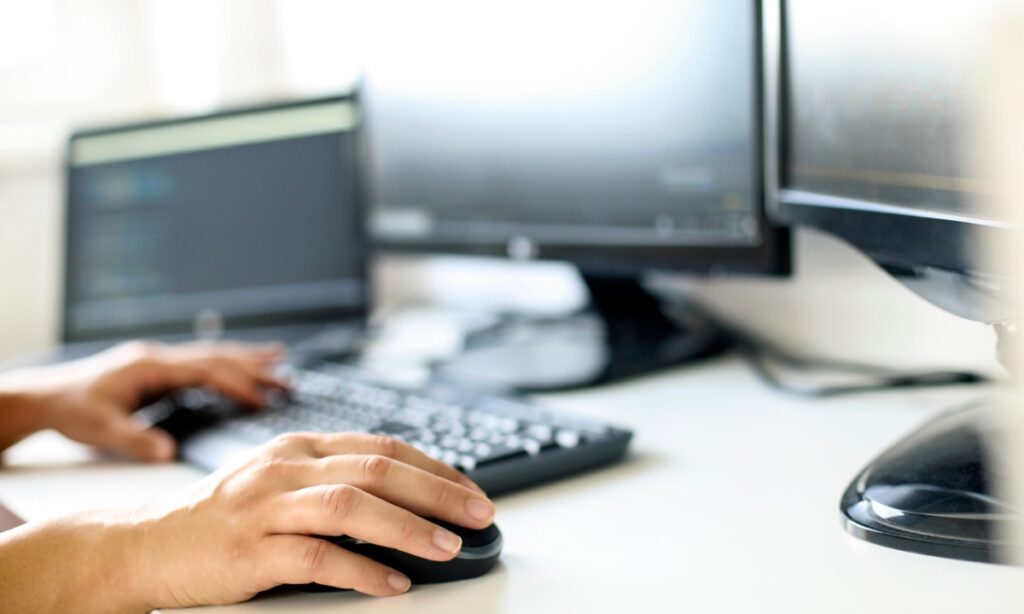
pixel 246 230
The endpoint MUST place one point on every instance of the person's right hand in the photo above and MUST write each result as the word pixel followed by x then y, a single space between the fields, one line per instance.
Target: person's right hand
pixel 248 528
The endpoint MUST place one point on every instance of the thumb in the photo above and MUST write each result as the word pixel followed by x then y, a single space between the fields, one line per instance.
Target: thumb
pixel 138 441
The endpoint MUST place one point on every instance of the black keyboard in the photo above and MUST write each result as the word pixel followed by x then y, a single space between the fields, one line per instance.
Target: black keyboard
pixel 503 443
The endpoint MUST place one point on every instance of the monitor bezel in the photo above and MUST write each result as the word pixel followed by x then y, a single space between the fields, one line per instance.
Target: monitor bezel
pixel 772 257
pixel 294 316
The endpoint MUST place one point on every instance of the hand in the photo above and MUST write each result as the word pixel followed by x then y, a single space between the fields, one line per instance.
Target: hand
pixel 92 400
pixel 247 529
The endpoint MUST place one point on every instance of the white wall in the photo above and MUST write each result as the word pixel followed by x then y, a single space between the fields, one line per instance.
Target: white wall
pixel 840 305
pixel 30 229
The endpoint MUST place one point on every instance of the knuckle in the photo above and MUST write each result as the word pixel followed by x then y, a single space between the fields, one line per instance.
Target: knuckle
pixel 376 468
pixel 272 467
pixel 268 452
pixel 340 501
pixel 313 557
pixel 448 494
pixel 291 440
pixel 140 351
pixel 385 446
pixel 410 528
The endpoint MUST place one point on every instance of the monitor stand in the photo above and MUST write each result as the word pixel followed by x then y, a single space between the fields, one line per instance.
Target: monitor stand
pixel 624 334
pixel 933 492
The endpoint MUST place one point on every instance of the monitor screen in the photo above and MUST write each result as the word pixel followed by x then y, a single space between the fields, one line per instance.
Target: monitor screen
pixel 879 140
pixel 607 125
pixel 249 216
pixel 880 111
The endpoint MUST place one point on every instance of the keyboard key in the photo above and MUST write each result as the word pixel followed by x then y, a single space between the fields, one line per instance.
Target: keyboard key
pixel 532 446
pixel 541 432
pixel 567 439
pixel 499 454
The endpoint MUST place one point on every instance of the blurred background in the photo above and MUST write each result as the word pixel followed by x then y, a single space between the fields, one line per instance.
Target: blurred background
pixel 67 64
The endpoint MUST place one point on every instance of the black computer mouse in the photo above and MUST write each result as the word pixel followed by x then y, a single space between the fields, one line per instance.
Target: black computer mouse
pixel 479 554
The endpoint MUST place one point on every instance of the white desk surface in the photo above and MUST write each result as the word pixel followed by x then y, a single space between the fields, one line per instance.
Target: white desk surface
pixel 728 503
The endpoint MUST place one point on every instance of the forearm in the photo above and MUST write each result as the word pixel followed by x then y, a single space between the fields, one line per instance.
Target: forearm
pixel 74 564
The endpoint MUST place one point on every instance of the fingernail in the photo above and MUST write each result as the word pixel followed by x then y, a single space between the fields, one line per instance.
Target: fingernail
pixel 480 509
pixel 446 540
pixel 398 582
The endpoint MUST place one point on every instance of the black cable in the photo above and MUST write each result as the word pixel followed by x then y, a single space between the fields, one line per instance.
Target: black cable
pixel 759 354
pixel 884 381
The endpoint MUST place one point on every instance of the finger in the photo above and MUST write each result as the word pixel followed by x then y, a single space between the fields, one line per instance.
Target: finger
pixel 253 362
pixel 298 559
pixel 330 444
pixel 225 380
pixel 258 379
pixel 161 375
pixel 343 509
pixel 133 439
pixel 260 373
pixel 264 351
pixel 260 353
pixel 410 487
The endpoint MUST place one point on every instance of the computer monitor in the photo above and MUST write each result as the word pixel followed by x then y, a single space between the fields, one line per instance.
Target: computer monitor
pixel 621 138
pixel 243 218
pixel 868 138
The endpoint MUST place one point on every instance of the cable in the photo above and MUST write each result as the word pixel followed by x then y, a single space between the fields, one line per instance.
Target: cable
pixel 759 354
pixel 764 356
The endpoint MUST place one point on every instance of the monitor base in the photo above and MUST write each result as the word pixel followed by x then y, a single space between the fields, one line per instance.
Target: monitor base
pixel 932 492
pixel 625 334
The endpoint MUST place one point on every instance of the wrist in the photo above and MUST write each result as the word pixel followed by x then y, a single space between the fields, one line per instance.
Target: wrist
pixel 131 572
pixel 144 572
pixel 25 407
pixel 119 560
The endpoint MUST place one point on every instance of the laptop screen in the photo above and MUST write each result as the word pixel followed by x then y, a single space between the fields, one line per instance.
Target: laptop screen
pixel 244 218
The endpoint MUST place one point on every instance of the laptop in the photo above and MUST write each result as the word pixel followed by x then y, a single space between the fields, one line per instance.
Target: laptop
pixel 245 224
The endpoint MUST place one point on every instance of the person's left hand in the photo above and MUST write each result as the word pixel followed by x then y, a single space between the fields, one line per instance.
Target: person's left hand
pixel 92 400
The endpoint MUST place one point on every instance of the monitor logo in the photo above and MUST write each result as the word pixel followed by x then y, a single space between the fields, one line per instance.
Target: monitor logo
pixel 208 324
pixel 521 248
